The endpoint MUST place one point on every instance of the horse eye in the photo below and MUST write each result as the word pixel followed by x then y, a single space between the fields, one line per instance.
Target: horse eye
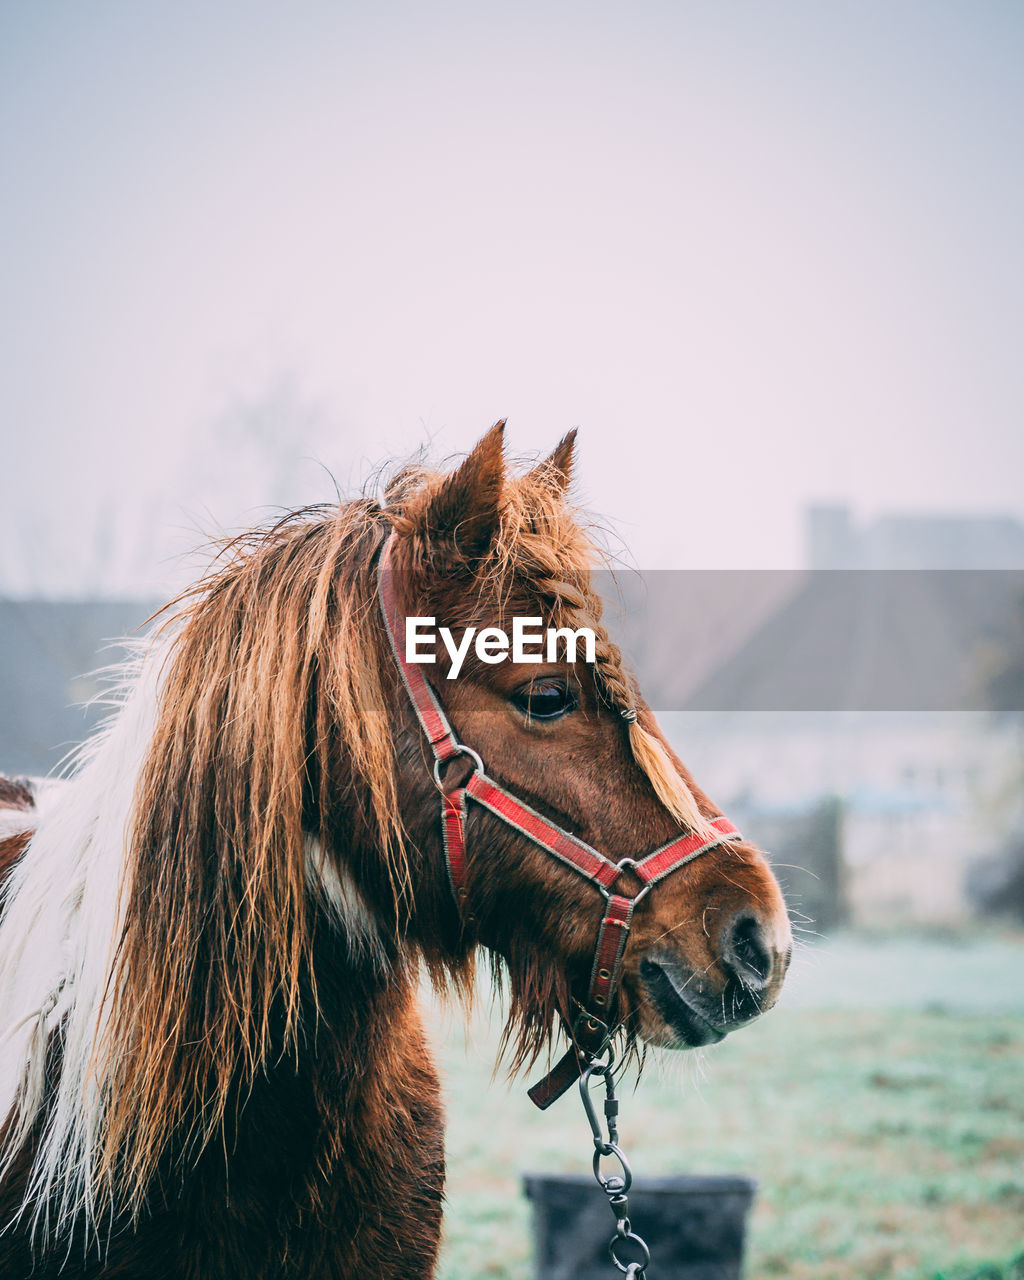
pixel 545 701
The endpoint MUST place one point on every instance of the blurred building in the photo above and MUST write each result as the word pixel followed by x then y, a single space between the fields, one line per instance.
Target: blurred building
pixel 834 541
pixel 876 819
pixel 866 690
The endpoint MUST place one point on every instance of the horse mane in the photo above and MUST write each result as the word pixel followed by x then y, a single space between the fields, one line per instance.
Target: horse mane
pixel 278 650
pixel 195 972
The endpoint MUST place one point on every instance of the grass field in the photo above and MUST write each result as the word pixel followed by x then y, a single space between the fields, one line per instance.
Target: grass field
pixel 888 1141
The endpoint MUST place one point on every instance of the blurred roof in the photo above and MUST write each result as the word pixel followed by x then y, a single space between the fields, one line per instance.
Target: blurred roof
pixel 876 641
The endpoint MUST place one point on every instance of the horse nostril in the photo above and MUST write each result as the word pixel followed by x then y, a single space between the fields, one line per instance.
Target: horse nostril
pixel 747 952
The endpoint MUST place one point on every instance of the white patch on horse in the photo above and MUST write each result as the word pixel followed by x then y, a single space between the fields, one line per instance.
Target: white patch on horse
pixel 58 935
pixel 17 818
pixel 13 822
pixel 345 903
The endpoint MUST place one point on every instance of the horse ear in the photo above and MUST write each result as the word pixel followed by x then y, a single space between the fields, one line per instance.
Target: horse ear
pixel 556 469
pixel 466 508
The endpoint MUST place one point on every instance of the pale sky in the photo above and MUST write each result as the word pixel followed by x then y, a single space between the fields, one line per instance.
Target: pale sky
pixel 761 254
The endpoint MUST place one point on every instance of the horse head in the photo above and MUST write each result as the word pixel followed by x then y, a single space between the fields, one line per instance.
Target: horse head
pixel 574 742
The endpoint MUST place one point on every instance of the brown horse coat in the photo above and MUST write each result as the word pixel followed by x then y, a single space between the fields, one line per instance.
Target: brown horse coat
pixel 209 947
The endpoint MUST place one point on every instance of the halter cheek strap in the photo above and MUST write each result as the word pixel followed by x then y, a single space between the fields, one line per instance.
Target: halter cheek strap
pixel 594 1024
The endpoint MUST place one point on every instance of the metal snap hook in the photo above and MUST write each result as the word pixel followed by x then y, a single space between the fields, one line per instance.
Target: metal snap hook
pixel 599 1069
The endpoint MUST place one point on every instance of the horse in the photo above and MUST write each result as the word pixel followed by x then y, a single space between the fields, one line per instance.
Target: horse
pixel 212 1060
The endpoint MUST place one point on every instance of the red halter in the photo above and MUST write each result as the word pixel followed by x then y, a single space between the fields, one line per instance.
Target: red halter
pixel 592 1028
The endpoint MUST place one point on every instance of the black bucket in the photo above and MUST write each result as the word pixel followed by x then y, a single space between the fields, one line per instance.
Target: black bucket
pixel 694 1227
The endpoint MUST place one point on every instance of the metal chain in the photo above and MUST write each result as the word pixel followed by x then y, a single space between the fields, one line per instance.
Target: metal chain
pixel 616 1186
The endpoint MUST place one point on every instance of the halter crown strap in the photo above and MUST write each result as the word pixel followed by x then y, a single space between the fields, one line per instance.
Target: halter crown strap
pixel 425 702
pixel 594 1025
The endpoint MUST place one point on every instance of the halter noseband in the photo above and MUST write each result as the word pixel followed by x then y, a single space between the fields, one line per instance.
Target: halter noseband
pixel 593 1027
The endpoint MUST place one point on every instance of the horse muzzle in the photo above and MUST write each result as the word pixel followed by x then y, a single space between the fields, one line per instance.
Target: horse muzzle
pixel 686 1006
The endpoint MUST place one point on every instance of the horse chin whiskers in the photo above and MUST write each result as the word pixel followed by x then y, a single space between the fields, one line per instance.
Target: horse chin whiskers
pixel 671 1067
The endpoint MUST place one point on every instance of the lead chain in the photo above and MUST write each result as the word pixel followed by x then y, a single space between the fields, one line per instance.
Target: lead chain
pixel 615 1186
